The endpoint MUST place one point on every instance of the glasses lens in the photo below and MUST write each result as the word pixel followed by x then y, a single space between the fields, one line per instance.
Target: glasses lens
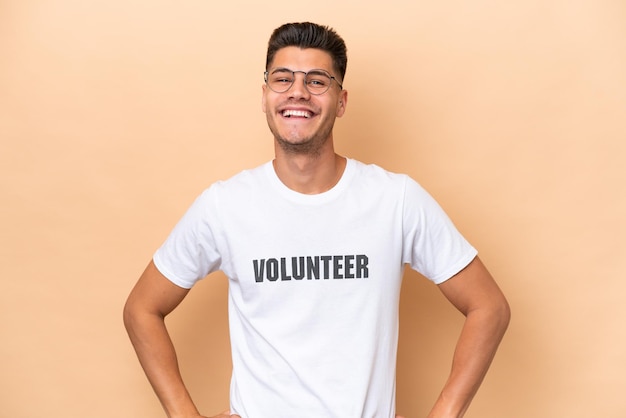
pixel 280 80
pixel 317 82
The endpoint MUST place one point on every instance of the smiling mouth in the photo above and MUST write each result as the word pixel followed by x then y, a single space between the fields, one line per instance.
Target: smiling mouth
pixel 289 113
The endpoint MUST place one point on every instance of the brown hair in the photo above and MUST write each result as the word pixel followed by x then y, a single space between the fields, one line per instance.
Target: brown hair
pixel 309 35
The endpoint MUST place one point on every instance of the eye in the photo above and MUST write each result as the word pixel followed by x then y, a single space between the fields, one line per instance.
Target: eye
pixel 281 77
pixel 317 80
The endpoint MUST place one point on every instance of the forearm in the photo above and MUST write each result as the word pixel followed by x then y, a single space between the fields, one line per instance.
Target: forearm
pixel 481 334
pixel 157 356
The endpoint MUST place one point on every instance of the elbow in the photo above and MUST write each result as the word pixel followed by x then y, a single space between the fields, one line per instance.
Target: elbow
pixel 494 315
pixel 502 314
pixel 129 315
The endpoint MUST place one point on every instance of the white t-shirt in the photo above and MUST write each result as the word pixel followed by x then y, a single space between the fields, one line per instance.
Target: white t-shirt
pixel 314 284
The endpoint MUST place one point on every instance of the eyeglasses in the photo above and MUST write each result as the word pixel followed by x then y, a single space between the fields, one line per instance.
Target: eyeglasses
pixel 316 81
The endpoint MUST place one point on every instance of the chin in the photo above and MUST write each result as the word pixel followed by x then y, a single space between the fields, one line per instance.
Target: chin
pixel 307 146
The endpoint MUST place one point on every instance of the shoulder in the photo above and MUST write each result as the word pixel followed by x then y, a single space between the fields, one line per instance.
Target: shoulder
pixel 374 172
pixel 242 181
pixel 245 177
pixel 374 176
pixel 401 185
pixel 234 189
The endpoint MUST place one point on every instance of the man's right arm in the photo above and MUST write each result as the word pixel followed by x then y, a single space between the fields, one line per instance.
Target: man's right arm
pixel 150 301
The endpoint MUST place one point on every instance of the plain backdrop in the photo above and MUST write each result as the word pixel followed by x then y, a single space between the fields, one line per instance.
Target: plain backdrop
pixel 115 115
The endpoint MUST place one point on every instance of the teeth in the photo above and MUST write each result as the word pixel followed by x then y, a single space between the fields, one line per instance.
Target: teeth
pixel 297 113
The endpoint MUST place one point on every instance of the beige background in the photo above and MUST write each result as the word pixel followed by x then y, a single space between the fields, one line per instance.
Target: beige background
pixel 115 114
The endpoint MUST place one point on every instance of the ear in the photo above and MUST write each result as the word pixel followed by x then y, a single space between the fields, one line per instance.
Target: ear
pixel 342 102
pixel 263 102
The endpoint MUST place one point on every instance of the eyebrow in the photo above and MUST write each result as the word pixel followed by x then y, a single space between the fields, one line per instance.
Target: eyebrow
pixel 279 69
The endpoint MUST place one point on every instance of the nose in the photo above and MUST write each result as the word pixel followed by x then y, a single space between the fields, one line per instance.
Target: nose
pixel 298 88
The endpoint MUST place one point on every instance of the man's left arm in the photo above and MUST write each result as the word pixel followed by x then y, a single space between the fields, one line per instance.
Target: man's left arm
pixel 474 292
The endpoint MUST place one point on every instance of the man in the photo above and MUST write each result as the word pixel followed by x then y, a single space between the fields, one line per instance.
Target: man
pixel 314 246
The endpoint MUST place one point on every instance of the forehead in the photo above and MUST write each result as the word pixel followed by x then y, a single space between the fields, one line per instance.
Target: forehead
pixel 296 58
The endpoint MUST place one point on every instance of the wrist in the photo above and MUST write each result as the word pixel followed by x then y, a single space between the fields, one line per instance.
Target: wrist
pixel 192 412
pixel 446 408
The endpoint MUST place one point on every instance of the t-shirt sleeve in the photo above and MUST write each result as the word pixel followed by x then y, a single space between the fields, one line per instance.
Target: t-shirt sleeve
pixel 190 251
pixel 432 244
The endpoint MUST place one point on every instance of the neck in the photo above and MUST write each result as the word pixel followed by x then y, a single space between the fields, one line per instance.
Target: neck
pixel 309 174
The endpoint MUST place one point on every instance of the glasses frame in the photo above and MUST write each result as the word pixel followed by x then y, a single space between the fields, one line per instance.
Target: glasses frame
pixel 293 73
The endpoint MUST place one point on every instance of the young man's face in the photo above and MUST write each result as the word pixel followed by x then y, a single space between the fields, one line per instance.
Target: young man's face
pixel 300 121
